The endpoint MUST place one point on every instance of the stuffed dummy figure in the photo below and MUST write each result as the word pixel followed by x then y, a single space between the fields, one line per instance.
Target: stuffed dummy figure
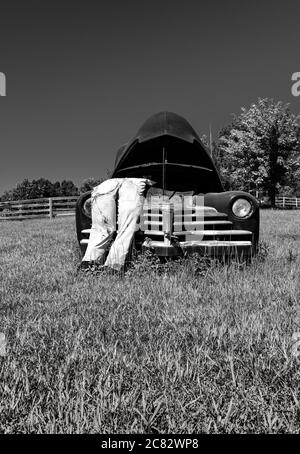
pixel 115 202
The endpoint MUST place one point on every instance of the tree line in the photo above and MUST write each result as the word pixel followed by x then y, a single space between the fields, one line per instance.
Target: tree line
pixel 43 188
pixel 258 151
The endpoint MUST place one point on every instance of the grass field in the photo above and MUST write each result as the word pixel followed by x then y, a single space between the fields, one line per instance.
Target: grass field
pixel 187 348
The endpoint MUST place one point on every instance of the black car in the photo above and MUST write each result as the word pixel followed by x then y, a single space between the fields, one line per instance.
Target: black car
pixel 187 210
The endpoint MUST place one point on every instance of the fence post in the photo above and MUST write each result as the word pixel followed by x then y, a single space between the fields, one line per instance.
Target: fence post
pixel 283 202
pixel 50 208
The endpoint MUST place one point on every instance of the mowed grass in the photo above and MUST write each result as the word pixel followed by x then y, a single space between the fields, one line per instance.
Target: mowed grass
pixel 187 348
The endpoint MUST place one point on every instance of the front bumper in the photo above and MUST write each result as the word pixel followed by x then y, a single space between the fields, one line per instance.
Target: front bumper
pixel 214 248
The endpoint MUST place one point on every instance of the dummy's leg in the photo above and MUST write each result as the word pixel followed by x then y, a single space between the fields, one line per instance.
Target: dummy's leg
pixel 103 220
pixel 129 208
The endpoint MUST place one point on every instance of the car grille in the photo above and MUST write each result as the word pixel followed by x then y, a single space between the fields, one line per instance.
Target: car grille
pixel 201 229
pixel 200 222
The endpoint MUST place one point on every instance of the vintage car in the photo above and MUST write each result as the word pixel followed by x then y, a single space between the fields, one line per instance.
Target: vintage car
pixel 187 210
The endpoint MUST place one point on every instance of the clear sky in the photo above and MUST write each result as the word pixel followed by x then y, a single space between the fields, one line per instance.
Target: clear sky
pixel 83 76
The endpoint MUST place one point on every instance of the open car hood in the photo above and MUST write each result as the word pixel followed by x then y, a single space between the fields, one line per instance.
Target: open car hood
pixel 166 149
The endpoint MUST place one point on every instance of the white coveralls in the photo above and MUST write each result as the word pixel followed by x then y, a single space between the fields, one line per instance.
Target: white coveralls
pixel 124 195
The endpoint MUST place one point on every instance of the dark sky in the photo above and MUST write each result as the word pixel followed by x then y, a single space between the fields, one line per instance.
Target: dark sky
pixel 83 76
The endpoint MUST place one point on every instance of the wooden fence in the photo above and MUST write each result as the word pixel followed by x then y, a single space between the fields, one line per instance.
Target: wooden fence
pixel 287 202
pixel 38 208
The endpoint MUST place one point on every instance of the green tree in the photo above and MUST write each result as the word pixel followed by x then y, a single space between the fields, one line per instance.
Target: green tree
pixel 89 183
pixel 41 188
pixel 261 148
pixel 68 188
pixel 57 189
pixel 6 196
pixel 23 190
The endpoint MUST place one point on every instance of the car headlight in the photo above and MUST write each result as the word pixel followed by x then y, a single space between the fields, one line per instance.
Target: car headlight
pixel 87 207
pixel 242 208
